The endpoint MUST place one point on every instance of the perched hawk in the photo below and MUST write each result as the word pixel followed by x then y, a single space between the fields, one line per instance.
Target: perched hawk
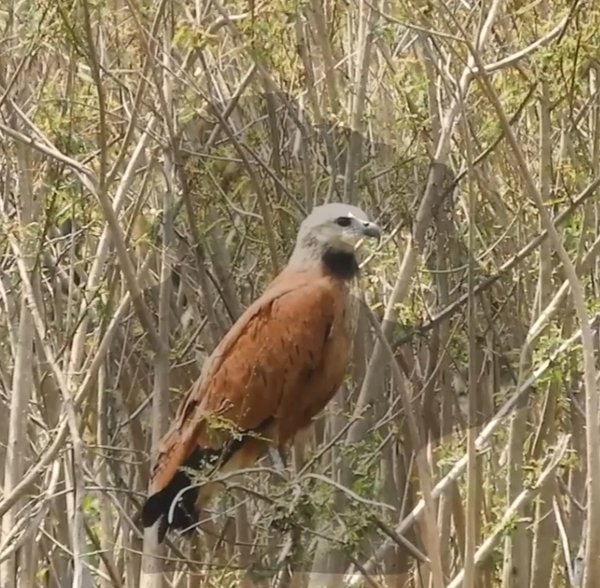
pixel 277 368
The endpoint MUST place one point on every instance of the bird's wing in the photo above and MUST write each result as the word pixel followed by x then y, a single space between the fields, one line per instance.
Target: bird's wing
pixel 274 349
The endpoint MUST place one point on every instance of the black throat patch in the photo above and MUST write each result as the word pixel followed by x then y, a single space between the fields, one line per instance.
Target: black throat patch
pixel 341 264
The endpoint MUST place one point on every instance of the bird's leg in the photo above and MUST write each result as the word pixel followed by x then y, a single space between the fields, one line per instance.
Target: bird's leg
pixel 278 458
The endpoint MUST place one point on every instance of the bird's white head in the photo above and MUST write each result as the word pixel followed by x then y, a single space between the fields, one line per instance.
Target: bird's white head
pixel 338 225
pixel 332 232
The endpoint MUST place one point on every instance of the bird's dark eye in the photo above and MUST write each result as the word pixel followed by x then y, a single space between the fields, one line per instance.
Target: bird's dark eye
pixel 343 221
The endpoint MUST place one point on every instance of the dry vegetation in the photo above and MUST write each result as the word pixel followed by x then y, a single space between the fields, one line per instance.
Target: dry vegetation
pixel 156 159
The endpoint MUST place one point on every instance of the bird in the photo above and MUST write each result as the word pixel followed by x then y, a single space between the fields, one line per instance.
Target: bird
pixel 276 369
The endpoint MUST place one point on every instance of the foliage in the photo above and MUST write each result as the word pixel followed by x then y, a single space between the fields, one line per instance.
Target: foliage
pixel 82 82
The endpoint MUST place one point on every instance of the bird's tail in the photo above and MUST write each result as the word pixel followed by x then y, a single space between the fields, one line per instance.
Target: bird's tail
pixel 178 504
pixel 182 490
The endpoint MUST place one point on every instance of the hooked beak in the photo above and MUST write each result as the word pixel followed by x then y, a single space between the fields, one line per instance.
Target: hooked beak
pixel 370 229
